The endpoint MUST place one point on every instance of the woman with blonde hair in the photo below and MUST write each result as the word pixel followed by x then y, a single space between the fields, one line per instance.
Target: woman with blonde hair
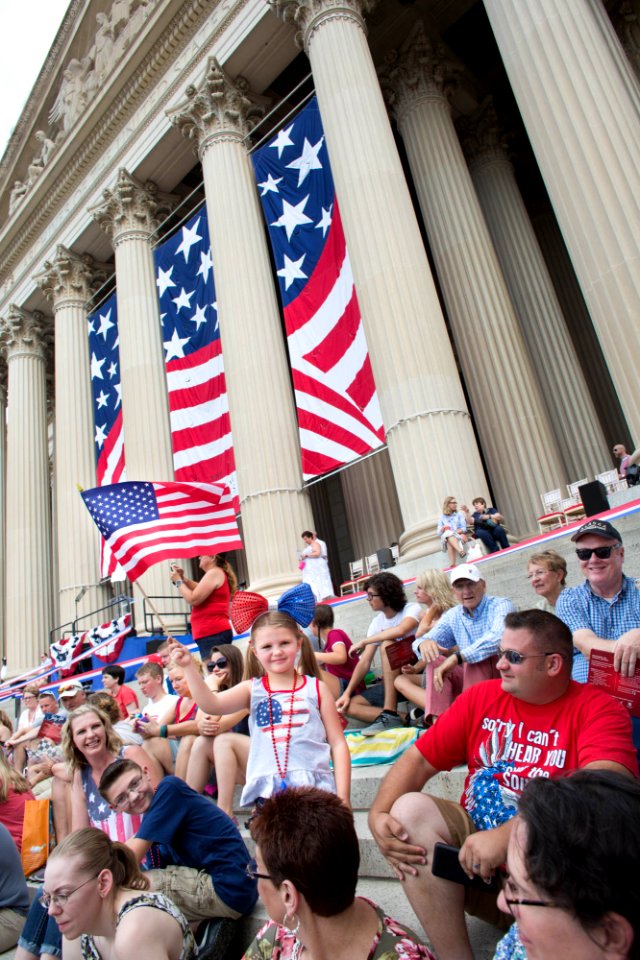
pixel 433 588
pixel 15 790
pixel 452 529
pixel 115 915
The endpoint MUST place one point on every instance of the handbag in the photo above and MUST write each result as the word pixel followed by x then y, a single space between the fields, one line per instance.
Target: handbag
pixel 36 835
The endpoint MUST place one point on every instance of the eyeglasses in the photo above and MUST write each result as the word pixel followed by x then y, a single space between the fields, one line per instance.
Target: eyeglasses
pixel 521 902
pixel 602 553
pixel 372 596
pixel 122 798
pixel 251 870
pixel 220 664
pixel 515 658
pixel 46 899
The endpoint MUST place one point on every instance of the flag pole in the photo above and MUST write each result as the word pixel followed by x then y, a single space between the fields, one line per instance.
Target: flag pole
pixel 154 609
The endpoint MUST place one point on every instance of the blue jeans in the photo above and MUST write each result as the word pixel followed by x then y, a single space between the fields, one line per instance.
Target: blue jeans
pixel 40 933
pixel 493 539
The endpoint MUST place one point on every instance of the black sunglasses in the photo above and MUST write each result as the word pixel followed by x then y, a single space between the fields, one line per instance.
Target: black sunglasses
pixel 602 553
pixel 515 658
pixel 220 664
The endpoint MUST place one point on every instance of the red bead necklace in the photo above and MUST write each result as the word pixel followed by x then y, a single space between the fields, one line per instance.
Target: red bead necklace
pixel 282 769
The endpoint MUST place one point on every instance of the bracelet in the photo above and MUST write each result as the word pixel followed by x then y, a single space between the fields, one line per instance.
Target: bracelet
pixel 459 658
pixel 178 583
pixel 164 731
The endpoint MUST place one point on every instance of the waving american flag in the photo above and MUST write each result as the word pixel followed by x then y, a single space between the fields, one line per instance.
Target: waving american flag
pixel 339 415
pixel 199 410
pixel 107 408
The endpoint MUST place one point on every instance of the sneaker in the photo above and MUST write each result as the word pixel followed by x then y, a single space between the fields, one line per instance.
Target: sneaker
pixel 416 716
pixel 386 721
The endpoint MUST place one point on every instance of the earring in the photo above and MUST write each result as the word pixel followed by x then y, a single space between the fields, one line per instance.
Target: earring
pixel 291 923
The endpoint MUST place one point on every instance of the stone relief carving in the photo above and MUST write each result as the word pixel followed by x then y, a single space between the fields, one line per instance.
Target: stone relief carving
pixel 81 79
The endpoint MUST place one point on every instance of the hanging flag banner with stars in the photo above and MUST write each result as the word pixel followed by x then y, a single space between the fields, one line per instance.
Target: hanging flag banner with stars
pixel 339 415
pixel 199 411
pixel 145 523
pixel 107 410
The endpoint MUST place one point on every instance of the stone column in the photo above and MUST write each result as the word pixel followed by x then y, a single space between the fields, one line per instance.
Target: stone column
pixel 68 282
pixel 580 103
pixel 28 517
pixel 219 115
pixel 429 432
pixel 583 335
pixel 505 395
pixel 626 21
pixel 129 213
pixel 579 436
pixel 3 503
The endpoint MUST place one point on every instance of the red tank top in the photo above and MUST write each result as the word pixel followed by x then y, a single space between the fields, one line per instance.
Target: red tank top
pixel 212 615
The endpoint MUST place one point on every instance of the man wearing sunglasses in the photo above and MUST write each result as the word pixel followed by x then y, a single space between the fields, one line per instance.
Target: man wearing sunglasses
pixel 533 722
pixel 603 612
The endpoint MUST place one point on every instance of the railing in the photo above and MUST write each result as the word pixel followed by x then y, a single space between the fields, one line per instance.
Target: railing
pixel 153 616
pixel 123 603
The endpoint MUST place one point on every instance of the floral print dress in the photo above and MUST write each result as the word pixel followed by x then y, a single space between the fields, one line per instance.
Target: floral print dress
pixel 392 941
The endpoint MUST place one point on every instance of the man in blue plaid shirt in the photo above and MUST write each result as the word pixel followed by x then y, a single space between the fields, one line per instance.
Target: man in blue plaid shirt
pixel 603 613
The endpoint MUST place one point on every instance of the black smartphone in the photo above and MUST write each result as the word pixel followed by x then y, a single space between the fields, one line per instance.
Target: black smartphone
pixel 446 865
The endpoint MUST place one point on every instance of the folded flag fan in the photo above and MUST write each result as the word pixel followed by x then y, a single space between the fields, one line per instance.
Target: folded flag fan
pixel 299 602
pixel 147 522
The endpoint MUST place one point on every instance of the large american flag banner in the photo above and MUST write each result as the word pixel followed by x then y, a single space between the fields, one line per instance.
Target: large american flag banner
pixel 339 415
pixel 104 352
pixel 199 410
pixel 147 522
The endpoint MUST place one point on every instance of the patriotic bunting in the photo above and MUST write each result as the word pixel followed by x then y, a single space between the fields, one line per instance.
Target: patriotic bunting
pixel 338 411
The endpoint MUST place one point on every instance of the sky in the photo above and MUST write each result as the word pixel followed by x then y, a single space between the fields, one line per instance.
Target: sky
pixel 28 30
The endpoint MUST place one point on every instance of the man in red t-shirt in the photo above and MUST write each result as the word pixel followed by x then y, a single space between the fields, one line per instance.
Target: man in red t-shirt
pixel 533 722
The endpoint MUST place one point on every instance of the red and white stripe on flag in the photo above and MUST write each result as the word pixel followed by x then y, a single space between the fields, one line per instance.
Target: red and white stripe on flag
pixel 145 523
pixel 339 416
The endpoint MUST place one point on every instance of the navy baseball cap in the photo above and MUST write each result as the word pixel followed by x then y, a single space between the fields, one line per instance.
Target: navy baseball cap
pixel 602 528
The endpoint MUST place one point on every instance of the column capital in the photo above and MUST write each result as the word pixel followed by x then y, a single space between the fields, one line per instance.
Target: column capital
pixel 25 333
pixel 482 137
pixel 217 108
pixel 310 15
pixel 132 209
pixel 71 278
pixel 420 70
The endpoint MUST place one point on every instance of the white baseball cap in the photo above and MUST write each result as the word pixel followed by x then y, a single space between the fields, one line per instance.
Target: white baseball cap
pixel 466 571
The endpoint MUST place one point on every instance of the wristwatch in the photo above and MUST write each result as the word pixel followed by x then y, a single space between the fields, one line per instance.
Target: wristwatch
pixel 178 583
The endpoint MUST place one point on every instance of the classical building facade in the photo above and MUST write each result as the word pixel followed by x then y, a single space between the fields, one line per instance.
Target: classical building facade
pixel 486 156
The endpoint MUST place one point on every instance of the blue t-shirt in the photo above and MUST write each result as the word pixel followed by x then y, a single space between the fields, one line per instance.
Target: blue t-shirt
pixel 198 834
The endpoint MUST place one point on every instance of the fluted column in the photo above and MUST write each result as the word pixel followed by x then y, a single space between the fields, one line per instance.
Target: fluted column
pixel 129 213
pixel 626 21
pixel 579 436
pixel 68 282
pixel 583 335
pixel 28 616
pixel 429 432
pixel 505 395
pixel 3 503
pixel 580 102
pixel 219 114
pixel 375 519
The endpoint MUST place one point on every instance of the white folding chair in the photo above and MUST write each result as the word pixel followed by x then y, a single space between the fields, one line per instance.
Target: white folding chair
pixel 357 576
pixel 553 516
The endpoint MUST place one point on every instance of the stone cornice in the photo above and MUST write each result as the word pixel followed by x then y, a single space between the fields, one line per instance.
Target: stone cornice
pixel 216 108
pixel 25 333
pixel 132 209
pixel 76 157
pixel 310 15
pixel 421 70
pixel 71 279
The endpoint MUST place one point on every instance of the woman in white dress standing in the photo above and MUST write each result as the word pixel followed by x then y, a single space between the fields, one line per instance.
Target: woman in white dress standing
pixel 315 571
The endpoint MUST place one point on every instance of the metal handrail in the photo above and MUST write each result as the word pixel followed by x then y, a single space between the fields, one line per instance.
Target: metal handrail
pixel 125 603
pixel 151 611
